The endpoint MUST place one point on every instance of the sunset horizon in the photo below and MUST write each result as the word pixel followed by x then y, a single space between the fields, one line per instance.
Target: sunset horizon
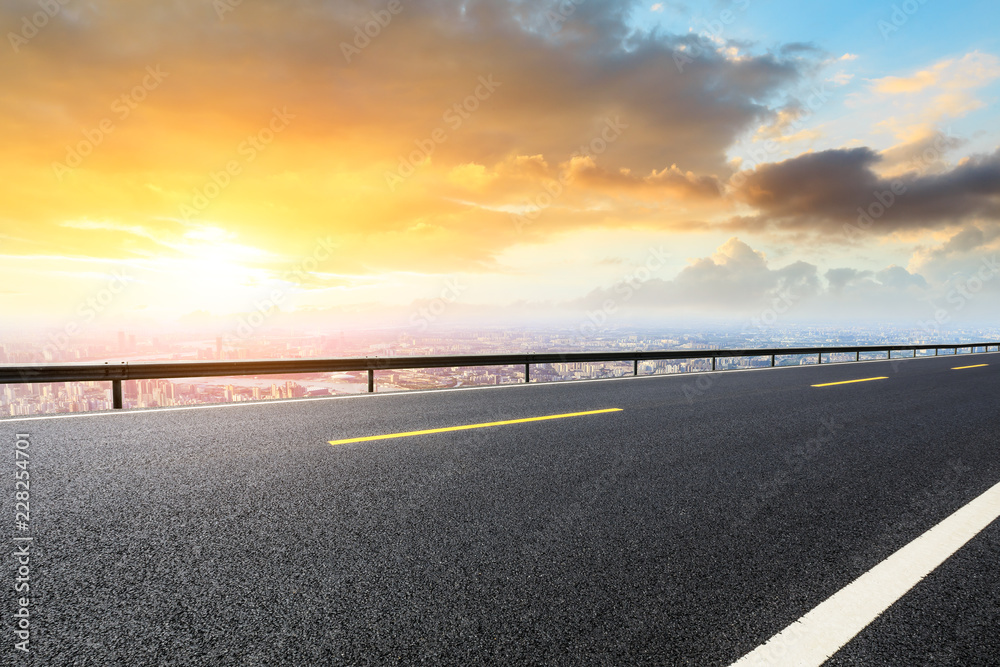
pixel 499 162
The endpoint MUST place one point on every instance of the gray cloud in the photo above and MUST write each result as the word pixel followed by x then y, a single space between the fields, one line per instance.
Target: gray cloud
pixel 898 278
pixel 824 191
pixel 736 278
pixel 841 278
pixel 739 282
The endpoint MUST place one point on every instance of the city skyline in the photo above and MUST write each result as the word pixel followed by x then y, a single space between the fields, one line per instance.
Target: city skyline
pixel 20 400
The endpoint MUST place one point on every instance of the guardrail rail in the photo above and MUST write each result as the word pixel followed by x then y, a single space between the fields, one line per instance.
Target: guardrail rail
pixel 116 373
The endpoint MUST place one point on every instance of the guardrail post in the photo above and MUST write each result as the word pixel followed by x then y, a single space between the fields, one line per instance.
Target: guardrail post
pixel 371 380
pixel 116 394
pixel 857 355
pixel 772 360
pixel 713 363
pixel 635 367
pixel 819 358
pixel 527 373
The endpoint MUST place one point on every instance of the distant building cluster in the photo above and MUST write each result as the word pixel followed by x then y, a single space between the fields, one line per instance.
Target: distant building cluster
pixel 22 400
pixel 34 399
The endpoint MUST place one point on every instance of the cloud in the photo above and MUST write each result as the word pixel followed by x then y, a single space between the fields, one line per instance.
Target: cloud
pixel 820 192
pixel 740 284
pixel 971 71
pixel 735 278
pixel 841 78
pixel 924 154
pixel 960 251
pixel 968 239
pixel 670 182
pixel 929 96
pixel 359 116
pixel 842 278
pixel 892 294
pixel 896 278
pixel 783 126
pixel 575 180
pixel 800 48
pixel 558 79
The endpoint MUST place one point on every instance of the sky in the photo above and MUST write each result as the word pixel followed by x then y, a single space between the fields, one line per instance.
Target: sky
pixel 412 164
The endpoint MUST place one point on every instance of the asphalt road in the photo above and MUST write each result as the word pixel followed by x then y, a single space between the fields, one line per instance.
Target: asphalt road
pixel 686 529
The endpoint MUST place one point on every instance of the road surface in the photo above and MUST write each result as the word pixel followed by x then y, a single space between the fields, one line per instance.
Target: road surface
pixel 684 521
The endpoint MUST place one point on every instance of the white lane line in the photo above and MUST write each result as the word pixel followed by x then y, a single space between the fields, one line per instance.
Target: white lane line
pixel 815 637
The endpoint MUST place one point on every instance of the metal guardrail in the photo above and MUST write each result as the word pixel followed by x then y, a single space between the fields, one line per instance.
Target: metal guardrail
pixel 116 373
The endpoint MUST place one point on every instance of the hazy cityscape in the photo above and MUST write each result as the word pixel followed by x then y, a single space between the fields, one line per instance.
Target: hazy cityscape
pixel 18 400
